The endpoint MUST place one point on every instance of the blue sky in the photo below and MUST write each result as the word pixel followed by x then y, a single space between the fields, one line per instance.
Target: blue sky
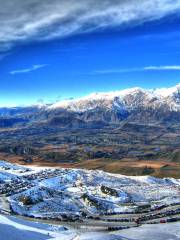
pixel 41 60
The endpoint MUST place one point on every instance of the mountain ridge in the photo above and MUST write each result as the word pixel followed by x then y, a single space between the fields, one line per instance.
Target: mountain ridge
pixel 99 109
pixel 128 99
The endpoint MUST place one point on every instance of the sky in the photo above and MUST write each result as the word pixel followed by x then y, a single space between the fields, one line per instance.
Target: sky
pixel 52 50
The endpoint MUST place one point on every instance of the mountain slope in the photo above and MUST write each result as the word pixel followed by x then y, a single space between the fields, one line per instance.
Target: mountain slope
pixel 129 99
pixel 136 104
pixel 99 109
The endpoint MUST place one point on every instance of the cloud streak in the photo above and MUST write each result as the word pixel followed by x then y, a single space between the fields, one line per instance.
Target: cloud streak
pixel 142 69
pixel 27 70
pixel 163 68
pixel 32 20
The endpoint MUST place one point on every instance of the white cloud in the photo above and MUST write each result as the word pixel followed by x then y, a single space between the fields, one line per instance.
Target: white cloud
pixel 22 20
pixel 142 69
pixel 120 70
pixel 163 68
pixel 27 70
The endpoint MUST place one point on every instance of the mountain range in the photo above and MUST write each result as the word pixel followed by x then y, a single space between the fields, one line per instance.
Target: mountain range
pixel 133 131
pixel 125 100
pixel 134 104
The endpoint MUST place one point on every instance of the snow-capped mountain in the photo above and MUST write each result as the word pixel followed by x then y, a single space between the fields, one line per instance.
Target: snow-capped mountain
pixel 98 109
pixel 129 99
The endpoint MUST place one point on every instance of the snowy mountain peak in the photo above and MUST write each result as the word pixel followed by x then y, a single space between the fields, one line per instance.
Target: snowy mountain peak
pixel 166 92
pixel 131 98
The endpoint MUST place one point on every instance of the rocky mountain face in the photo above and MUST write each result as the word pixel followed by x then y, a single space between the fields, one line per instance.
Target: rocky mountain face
pixel 136 104
pixel 125 100
pixel 98 109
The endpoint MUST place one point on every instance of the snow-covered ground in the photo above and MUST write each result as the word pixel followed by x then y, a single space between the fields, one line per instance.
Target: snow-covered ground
pixel 52 192
pixel 12 228
pixel 170 231
pixel 85 199
pixel 72 191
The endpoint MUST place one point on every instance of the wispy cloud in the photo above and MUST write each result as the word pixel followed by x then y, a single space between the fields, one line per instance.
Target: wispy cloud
pixel 163 68
pixel 27 70
pixel 141 69
pixel 34 19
